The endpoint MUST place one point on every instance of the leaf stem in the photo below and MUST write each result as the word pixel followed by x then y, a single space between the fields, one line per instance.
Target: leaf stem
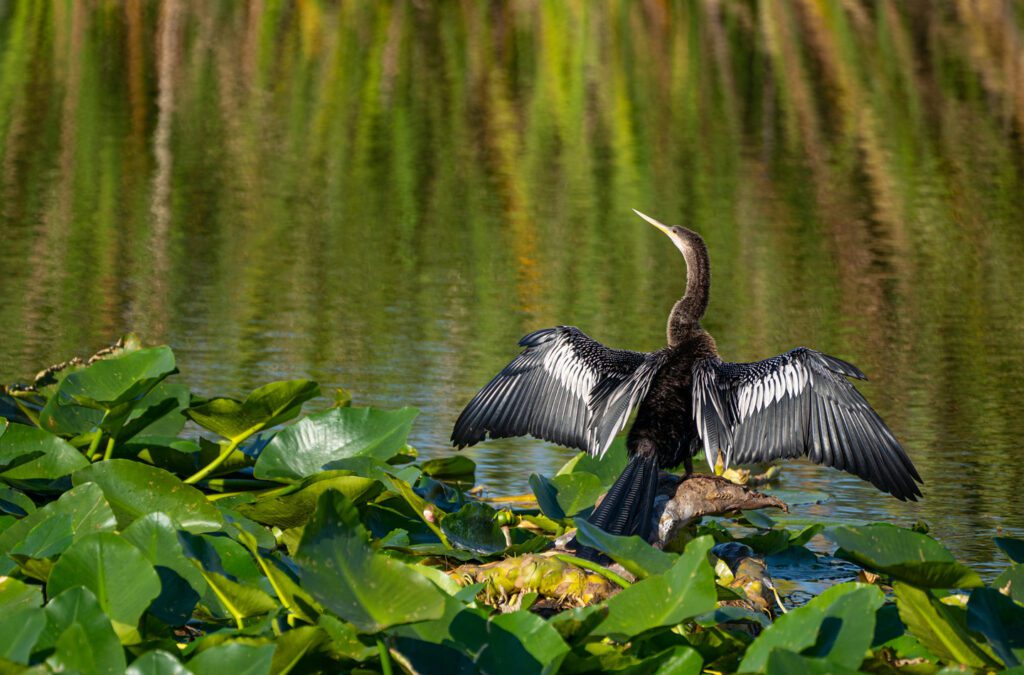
pixel 385 657
pixel 28 412
pixel 110 448
pixel 90 452
pixel 594 567
pixel 212 466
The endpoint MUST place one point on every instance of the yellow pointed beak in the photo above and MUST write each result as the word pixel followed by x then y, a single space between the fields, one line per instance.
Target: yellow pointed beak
pixel 661 226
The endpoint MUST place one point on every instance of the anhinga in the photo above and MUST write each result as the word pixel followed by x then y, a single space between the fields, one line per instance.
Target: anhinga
pixel 569 389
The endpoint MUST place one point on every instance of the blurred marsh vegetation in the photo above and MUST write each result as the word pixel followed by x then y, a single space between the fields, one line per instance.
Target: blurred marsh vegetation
pixel 386 195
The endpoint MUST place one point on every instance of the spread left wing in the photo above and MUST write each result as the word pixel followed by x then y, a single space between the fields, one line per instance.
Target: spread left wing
pixel 798 403
pixel 565 387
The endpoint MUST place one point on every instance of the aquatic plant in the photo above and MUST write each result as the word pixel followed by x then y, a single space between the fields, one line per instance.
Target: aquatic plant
pixel 147 528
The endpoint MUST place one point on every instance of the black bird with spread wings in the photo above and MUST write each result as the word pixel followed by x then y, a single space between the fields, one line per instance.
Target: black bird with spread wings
pixel 570 389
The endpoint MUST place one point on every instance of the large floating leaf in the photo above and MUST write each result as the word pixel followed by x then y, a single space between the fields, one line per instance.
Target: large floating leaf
pixel 938 626
pixel 28 454
pixel 181 584
pixel 265 407
pixel 521 638
pixel 157 662
pixel 86 507
pixel 607 468
pixel 1013 548
pixel 785 662
pixel 110 382
pixel 837 625
pixel 452 468
pixel 19 631
pixel 904 554
pixel 81 634
pixel 633 553
pixel 116 572
pixel 316 442
pixel 565 495
pixel 338 567
pixel 1001 621
pixel 1012 581
pixel 236 658
pixel 473 528
pixel 15 502
pixel 684 591
pixel 135 489
pixel 295 508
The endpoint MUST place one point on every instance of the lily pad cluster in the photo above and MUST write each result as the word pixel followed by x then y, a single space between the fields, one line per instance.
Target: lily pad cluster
pixel 146 529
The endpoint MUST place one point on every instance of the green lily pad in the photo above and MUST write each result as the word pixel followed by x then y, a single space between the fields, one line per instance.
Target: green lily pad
pixel 339 569
pixel 295 508
pixel 684 591
pixel 16 594
pixel 939 627
pixel 239 601
pixel 453 467
pixel 157 662
pixel 265 407
pixel 607 468
pixel 236 658
pixel 81 635
pixel 15 502
pixel 19 630
pixel 475 529
pixel 110 382
pixel 633 553
pixel 316 442
pixel 1011 581
pixel 1013 548
pixel 181 584
pixel 119 576
pixel 838 625
pixel 565 495
pixel 904 554
pixel 293 645
pixel 28 453
pixel 135 489
pixel 785 662
pixel 86 506
pixel 1001 621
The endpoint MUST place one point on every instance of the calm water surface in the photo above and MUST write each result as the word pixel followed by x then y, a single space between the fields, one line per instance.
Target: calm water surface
pixel 386 196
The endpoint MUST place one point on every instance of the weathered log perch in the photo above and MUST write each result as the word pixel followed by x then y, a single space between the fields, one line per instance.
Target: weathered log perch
pixel 681 501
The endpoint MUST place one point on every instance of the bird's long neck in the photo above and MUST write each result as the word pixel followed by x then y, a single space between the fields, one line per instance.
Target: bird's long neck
pixel 688 310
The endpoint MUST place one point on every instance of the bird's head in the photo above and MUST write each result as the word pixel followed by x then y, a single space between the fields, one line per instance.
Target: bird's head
pixel 683 238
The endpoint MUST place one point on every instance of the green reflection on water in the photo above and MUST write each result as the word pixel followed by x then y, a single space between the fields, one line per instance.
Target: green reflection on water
pixel 385 196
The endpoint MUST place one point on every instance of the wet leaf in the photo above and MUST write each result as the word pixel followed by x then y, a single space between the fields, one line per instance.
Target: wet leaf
pixel 453 467
pixel 135 489
pixel 607 468
pixel 16 594
pixel 181 584
pixel 565 495
pixel 85 505
pixel 31 454
pixel 295 508
pixel 939 627
pixel 110 382
pixel 785 662
pixel 316 442
pixel 119 576
pixel 1013 548
pixel 265 407
pixel 339 569
pixel 157 662
pixel 838 625
pixel 293 645
pixel 81 634
pixel 904 554
pixel 233 657
pixel 19 630
pixel 633 553
pixel 475 529
pixel 1001 621
pixel 684 591
pixel 1011 581
pixel 15 502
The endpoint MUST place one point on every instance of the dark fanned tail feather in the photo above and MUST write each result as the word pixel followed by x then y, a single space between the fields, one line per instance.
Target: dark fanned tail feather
pixel 626 508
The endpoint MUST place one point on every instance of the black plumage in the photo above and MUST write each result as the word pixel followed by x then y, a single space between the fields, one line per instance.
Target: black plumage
pixel 570 389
